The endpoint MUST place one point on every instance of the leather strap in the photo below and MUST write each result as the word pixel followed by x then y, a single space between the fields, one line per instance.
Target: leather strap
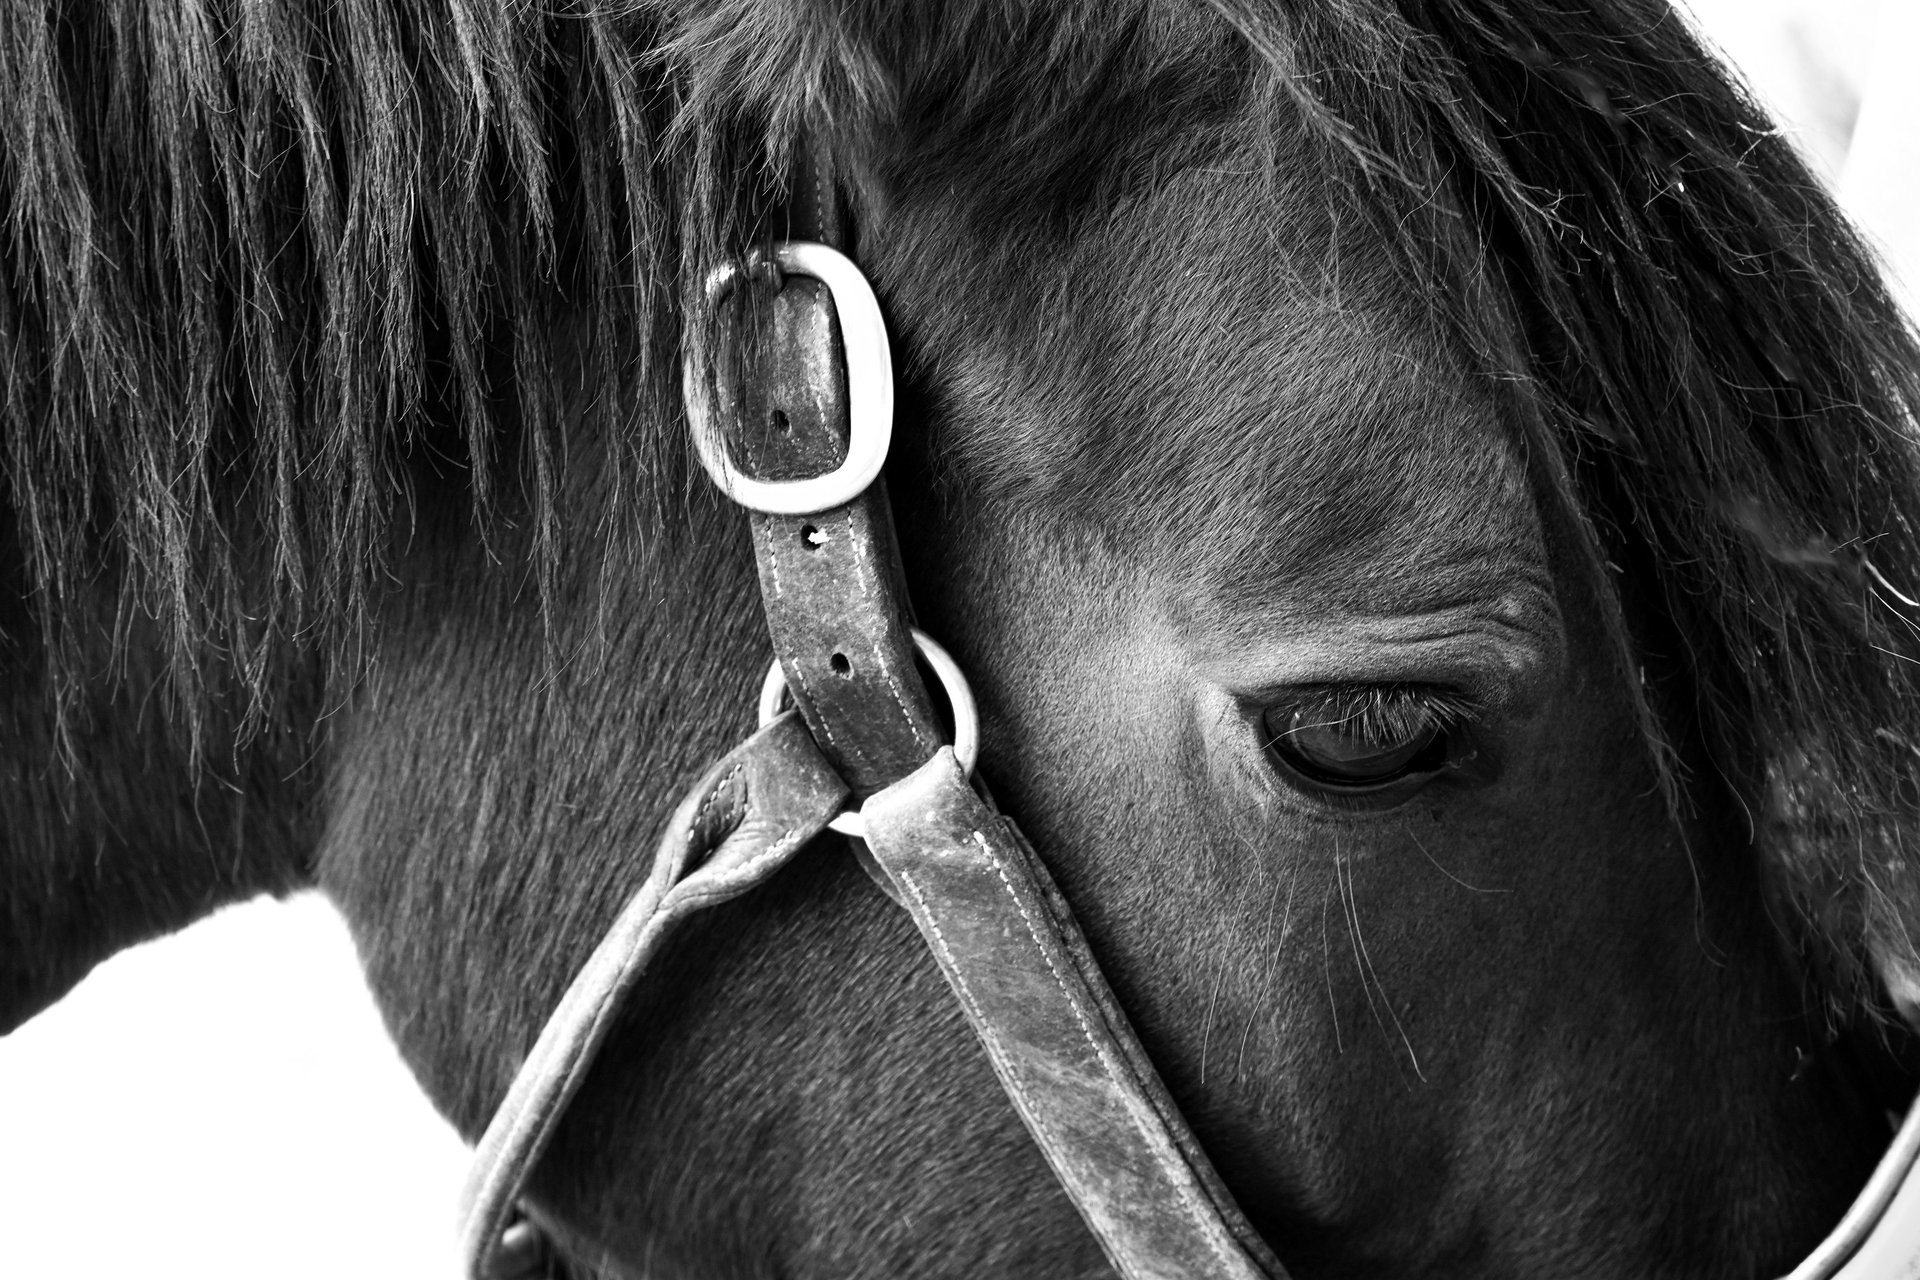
pixel 834 592
pixel 1064 1052
pixel 748 814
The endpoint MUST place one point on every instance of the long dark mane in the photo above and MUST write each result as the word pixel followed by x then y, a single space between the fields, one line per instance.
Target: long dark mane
pixel 275 271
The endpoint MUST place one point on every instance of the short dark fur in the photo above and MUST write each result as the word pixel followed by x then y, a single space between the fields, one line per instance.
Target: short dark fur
pixel 273 272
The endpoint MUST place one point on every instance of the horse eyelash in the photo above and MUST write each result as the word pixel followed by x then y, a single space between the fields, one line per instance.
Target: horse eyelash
pixel 1386 712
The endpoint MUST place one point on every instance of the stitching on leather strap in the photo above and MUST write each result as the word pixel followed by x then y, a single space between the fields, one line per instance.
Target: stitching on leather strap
pixel 706 805
pixel 773 562
pixel 733 882
pixel 869 589
pixel 1033 932
pixel 959 975
pixel 1179 1175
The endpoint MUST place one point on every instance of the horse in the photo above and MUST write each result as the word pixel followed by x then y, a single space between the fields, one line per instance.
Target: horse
pixel 1424 492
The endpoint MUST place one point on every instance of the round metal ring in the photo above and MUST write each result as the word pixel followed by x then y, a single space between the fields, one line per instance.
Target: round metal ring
pixel 966 716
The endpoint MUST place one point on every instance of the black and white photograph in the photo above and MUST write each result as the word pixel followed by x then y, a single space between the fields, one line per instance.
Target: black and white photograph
pixel 960 639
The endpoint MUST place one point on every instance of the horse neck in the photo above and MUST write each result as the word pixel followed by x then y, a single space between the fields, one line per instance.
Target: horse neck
pixel 125 819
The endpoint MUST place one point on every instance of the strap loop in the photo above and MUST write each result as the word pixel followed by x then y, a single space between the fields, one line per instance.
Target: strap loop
pixel 966 715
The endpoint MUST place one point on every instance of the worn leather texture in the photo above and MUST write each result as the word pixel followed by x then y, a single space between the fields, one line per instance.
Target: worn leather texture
pixel 832 585
pixel 1065 1054
pixel 748 814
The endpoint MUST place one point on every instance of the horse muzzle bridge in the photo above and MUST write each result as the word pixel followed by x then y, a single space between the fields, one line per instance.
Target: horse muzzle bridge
pixel 864 751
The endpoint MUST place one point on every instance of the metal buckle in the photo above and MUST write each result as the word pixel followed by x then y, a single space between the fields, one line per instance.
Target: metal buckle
pixel 863 336
pixel 966 716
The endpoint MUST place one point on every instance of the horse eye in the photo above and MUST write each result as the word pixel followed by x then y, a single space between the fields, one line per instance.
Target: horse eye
pixel 1348 747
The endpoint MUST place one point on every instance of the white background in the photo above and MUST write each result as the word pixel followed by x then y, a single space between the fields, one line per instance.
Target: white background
pixel 223 1103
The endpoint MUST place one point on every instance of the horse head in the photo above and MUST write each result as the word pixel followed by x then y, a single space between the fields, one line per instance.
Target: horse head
pixel 1421 492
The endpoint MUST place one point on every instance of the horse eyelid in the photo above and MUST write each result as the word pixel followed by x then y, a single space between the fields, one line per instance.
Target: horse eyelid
pixel 1347 703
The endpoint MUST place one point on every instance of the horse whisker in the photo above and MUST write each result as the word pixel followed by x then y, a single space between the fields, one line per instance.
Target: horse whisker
pixel 1888 587
pixel 1246 1032
pixel 1368 971
pixel 1448 874
pixel 1349 911
pixel 1326 969
pixel 1206 1028
pixel 1271 952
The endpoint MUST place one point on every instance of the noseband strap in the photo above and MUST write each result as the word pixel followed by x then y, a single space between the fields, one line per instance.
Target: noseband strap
pixel 746 816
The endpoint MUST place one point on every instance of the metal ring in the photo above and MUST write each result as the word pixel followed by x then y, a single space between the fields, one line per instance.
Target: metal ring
pixel 966 716
pixel 869 361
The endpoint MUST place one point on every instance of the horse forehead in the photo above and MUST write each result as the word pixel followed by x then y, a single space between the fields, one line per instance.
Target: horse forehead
pixel 1307 431
pixel 1376 483
pixel 1227 379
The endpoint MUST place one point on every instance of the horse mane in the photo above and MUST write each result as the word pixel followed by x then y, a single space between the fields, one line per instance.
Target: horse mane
pixel 271 268
pixel 261 256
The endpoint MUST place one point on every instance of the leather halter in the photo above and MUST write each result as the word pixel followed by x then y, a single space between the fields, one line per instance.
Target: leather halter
pixel 800 446
pixel 837 611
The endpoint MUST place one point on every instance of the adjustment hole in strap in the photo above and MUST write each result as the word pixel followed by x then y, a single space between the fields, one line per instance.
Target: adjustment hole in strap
pixel 811 537
pixel 779 422
pixel 966 717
